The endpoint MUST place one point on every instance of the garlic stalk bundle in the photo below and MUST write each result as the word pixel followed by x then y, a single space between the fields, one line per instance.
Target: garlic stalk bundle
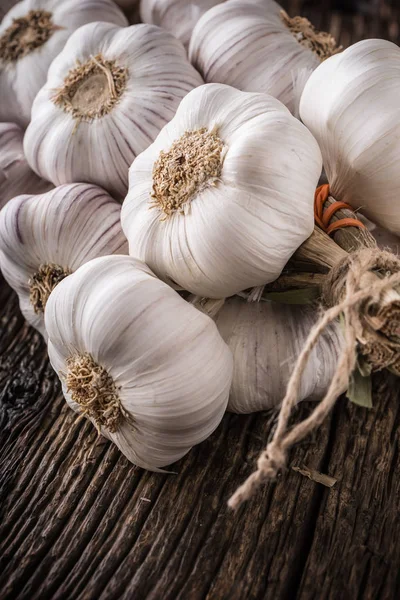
pixel 350 105
pixel 257 47
pixel 44 238
pixel 224 196
pixel 265 339
pixel 177 16
pixel 107 96
pixel 149 370
pixel 32 34
pixel 16 177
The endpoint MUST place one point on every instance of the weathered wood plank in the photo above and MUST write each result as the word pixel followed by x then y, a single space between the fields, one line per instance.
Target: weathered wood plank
pixel 78 521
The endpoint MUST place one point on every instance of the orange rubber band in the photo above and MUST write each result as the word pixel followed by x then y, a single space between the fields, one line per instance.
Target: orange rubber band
pixel 322 218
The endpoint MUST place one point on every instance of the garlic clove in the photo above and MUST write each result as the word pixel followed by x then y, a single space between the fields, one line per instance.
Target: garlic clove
pixel 255 47
pixel 164 368
pixel 46 237
pixel 16 177
pixel 31 36
pixel 266 339
pixel 91 119
pixel 211 208
pixel 177 16
pixel 350 105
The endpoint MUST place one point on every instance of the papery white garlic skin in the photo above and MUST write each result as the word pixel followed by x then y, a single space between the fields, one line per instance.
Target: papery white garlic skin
pixel 66 226
pixel 177 16
pixel 240 230
pixel 385 239
pixel 350 104
pixel 65 149
pixel 171 367
pixel 248 46
pixel 266 339
pixel 21 80
pixel 16 177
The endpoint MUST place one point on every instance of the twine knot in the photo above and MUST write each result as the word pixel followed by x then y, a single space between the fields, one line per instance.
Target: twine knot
pixel 272 460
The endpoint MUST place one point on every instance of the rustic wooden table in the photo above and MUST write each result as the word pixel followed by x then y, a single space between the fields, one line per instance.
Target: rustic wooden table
pixel 79 521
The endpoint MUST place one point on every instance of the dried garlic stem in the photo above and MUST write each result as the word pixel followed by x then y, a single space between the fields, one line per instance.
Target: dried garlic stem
pixel 296 281
pixel 94 390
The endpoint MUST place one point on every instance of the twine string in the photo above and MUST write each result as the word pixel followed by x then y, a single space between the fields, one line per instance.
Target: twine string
pixel 350 298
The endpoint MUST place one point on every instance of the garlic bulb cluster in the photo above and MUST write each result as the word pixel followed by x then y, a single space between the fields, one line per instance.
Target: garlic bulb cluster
pixel 44 238
pixel 32 34
pixel 177 16
pixel 148 369
pixel 266 339
pixel 108 94
pixel 350 105
pixel 16 177
pixel 256 47
pixel 224 196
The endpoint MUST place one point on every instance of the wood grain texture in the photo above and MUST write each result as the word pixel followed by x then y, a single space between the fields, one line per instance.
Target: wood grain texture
pixel 78 521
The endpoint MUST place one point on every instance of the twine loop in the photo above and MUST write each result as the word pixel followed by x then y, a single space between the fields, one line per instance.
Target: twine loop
pixel 272 459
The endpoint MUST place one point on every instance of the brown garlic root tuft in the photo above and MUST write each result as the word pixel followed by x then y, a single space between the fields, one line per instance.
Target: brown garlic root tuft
pixel 43 282
pixel 193 162
pixel 323 44
pixel 26 34
pixel 94 390
pixel 91 89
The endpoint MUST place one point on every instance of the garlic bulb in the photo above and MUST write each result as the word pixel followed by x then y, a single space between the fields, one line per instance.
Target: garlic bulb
pixel 254 46
pixel 224 196
pixel 150 371
pixel 32 34
pixel 107 96
pixel 44 238
pixel 16 177
pixel 350 104
pixel 266 339
pixel 177 16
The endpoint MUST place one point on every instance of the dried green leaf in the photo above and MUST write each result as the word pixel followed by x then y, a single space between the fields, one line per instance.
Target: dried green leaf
pixel 360 389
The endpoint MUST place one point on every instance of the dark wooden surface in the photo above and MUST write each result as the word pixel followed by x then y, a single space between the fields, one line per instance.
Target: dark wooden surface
pixel 78 521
